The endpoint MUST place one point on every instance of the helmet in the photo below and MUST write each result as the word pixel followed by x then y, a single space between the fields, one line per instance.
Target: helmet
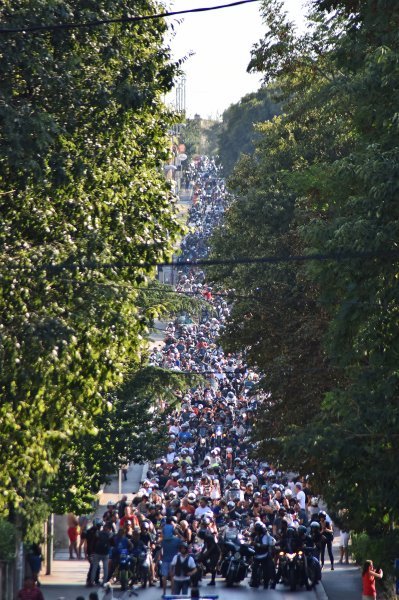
pixel 231 504
pixel 314 501
pixel 191 497
pixel 172 494
pixel 97 522
pixel 110 503
pixel 288 493
pixel 259 527
pixel 315 525
pixel 322 514
pixel 290 532
pixel 302 530
pixel 236 484
pixel 183 545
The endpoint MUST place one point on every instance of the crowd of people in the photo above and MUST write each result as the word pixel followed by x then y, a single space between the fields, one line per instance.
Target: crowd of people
pixel 207 487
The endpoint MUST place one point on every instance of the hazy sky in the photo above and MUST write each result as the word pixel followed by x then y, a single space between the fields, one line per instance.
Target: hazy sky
pixel 221 41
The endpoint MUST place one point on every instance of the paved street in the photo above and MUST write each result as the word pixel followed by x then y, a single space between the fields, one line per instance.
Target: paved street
pixel 242 592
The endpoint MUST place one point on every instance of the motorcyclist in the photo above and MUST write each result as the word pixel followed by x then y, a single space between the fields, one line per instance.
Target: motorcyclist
pixel 210 553
pixel 263 567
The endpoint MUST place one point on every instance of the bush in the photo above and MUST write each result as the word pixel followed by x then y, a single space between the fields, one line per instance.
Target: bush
pixel 7 540
pixel 382 550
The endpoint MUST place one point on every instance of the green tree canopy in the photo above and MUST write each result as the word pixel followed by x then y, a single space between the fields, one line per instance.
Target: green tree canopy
pixel 323 179
pixel 237 132
pixel 84 212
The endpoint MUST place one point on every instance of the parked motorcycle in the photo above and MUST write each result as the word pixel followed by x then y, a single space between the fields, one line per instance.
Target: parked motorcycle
pixel 125 569
pixel 235 564
pixel 263 569
pixel 292 570
pixel 313 567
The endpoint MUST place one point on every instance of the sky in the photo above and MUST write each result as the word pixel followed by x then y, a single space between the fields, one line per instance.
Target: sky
pixel 221 41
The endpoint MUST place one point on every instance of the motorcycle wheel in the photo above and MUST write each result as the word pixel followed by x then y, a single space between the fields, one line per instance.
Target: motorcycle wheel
pixel 124 579
pixel 292 580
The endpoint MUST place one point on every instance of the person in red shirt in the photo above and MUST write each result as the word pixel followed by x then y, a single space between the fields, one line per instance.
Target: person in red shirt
pixel 30 591
pixel 368 580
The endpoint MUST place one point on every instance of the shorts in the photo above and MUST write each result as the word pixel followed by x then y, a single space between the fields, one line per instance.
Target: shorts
pixel 368 597
pixel 344 539
pixel 165 568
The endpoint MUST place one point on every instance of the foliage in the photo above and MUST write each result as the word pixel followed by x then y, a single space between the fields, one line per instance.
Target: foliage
pixel 200 136
pixel 85 211
pixel 237 133
pixel 131 430
pixel 191 137
pixel 7 540
pixel 323 179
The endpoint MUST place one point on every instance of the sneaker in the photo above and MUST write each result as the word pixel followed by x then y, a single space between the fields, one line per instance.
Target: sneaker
pixel 332 567
pixel 211 583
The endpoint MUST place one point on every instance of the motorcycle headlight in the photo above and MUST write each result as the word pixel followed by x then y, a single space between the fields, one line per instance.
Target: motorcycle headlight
pixel 281 553
pixel 237 555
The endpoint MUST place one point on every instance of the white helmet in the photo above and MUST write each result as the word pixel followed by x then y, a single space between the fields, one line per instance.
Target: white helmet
pixel 236 484
pixel 288 493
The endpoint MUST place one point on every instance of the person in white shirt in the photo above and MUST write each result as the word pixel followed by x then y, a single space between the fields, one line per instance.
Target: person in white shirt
pixel 203 509
pixel 301 500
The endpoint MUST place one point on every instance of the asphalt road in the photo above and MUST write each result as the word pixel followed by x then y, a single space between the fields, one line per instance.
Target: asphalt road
pixel 241 592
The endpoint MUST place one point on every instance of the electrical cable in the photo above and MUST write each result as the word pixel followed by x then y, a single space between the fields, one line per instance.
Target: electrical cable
pixel 97 23
pixel 333 256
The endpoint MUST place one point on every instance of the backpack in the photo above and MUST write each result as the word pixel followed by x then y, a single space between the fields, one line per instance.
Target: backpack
pixel 103 543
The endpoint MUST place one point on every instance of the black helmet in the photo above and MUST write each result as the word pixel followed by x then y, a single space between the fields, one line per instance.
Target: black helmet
pixel 259 527
pixel 302 530
pixel 291 532
pixel 323 514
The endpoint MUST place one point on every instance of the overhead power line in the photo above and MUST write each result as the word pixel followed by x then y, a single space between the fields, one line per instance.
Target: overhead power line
pixel 213 262
pixel 137 19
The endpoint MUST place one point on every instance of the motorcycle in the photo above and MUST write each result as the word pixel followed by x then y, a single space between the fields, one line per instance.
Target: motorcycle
pixel 262 569
pixel 125 569
pixel 234 567
pixel 313 567
pixel 143 567
pixel 292 570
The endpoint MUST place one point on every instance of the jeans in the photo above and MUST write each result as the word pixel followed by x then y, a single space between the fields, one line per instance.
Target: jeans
pixel 327 543
pixel 97 558
pixel 181 587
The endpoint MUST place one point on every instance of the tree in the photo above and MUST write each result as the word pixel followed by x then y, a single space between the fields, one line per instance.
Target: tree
pixel 323 180
pixel 238 132
pixel 85 212
pixel 132 430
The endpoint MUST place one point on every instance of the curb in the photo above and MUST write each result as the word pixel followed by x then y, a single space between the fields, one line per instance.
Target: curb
pixel 320 592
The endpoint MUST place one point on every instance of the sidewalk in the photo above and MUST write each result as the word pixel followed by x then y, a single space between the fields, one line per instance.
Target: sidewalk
pixel 344 583
pixel 68 578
